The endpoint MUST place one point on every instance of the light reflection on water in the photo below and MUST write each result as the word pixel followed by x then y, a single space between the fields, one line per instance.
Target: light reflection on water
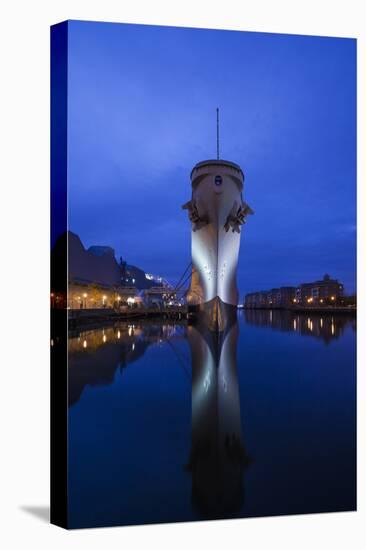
pixel 170 423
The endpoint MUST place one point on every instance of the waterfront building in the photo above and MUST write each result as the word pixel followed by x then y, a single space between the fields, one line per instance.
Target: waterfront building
pixel 287 295
pixel 88 295
pixel 324 292
pixel 95 278
pixel 277 297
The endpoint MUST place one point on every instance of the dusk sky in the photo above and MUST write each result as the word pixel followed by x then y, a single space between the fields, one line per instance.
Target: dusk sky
pixel 142 108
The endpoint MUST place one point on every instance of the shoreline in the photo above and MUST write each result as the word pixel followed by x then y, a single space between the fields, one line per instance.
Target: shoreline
pixel 86 318
pixel 307 309
pixel 93 318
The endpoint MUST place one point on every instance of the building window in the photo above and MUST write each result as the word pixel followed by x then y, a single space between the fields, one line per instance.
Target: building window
pixel 218 180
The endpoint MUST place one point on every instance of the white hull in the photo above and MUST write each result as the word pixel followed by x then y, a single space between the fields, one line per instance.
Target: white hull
pixel 217 210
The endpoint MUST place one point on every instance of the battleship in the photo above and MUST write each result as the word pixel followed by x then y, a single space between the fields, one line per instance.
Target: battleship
pixel 217 212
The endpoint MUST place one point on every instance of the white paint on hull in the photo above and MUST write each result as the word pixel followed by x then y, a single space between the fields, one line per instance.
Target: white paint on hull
pixel 216 189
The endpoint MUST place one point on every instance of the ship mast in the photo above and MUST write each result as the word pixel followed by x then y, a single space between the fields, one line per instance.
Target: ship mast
pixel 217 134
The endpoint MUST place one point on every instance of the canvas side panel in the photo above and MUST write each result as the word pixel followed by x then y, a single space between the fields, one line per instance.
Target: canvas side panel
pixel 59 72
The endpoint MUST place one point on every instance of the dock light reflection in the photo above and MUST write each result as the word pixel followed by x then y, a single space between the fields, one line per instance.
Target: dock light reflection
pixel 326 327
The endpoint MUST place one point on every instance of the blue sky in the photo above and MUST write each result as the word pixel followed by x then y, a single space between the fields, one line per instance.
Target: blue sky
pixel 142 103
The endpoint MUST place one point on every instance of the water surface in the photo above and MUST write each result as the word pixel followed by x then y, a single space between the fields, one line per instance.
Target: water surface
pixel 168 424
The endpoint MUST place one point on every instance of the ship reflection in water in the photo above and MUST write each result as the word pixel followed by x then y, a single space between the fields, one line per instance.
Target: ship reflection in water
pixel 218 457
pixel 157 416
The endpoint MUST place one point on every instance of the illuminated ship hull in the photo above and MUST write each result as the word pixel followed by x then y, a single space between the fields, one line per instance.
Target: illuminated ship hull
pixel 217 211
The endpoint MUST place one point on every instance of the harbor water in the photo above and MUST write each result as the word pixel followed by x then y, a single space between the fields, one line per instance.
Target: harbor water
pixel 167 425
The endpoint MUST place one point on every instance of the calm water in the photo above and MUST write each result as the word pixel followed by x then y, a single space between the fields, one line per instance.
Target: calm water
pixel 168 424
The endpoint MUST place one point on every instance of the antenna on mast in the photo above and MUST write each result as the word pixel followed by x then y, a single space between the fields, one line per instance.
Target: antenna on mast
pixel 217 134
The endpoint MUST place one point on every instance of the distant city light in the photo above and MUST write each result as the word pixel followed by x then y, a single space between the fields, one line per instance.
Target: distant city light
pixel 118 335
pixel 104 338
pixel 332 298
pixel 85 344
pixel 85 295
pixel 130 301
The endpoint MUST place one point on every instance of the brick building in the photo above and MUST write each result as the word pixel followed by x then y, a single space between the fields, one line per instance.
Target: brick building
pixel 324 292
pixel 327 291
